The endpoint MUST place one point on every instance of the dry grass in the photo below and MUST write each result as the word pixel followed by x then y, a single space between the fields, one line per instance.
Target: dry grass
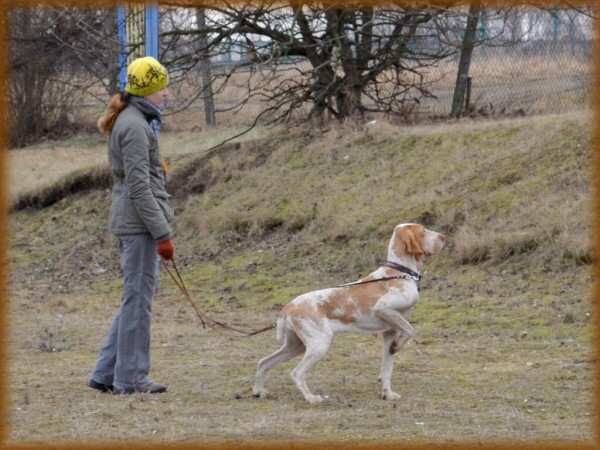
pixel 39 166
pixel 503 350
pixel 349 165
pixel 488 70
pixel 540 394
pixel 98 177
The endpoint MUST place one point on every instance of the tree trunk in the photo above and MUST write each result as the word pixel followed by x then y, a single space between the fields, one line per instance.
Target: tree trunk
pixel 348 101
pixel 209 104
pixel 112 54
pixel 27 83
pixel 465 58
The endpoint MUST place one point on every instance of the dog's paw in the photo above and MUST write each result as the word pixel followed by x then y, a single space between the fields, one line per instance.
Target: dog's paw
pixel 314 399
pixel 390 396
pixel 259 393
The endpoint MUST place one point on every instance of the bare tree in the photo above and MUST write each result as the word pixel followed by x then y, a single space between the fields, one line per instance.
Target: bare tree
pixel 111 52
pixel 313 59
pixel 56 53
pixel 209 104
pixel 348 58
pixel 35 63
pixel 465 58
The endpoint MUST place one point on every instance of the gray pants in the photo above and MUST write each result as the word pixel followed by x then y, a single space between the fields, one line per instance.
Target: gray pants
pixel 124 360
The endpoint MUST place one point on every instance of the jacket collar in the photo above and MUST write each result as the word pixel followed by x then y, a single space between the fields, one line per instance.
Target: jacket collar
pixel 147 108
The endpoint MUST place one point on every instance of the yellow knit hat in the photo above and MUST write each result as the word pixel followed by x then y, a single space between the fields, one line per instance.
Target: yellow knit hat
pixel 145 76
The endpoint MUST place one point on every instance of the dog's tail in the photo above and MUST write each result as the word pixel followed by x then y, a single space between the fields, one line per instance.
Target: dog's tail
pixel 280 330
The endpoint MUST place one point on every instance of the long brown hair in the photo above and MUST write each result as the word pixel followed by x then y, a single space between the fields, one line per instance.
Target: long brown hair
pixel 117 103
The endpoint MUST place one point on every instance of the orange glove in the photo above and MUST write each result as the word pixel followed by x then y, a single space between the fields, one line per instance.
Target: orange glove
pixel 166 249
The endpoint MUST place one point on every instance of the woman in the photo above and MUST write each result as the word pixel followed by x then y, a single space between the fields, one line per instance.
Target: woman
pixel 139 218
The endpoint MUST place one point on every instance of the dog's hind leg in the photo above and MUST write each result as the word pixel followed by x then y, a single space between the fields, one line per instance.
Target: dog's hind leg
pixel 292 347
pixel 387 364
pixel 316 349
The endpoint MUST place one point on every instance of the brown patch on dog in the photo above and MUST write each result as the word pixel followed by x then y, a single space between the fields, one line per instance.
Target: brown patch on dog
pixel 339 307
pixel 299 312
pixel 344 302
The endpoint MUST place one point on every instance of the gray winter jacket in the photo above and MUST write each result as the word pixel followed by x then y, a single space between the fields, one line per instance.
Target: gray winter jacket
pixel 140 202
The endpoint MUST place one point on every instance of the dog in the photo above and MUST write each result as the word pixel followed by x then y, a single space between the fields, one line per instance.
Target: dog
pixel 379 303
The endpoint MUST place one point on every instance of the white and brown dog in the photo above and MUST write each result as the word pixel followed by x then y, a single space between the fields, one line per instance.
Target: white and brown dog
pixel 379 303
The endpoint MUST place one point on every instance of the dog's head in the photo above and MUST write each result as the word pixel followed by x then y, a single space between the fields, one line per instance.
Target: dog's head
pixel 411 239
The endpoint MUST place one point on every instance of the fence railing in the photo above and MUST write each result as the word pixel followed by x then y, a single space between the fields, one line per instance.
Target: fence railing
pixel 533 78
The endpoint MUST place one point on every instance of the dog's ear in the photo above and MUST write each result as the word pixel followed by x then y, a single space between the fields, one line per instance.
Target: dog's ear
pixel 413 243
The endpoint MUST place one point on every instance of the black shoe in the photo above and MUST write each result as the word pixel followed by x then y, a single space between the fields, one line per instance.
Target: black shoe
pixel 149 389
pixel 100 386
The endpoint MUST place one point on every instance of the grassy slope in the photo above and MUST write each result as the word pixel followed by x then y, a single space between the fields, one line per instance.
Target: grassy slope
pixel 37 166
pixel 503 345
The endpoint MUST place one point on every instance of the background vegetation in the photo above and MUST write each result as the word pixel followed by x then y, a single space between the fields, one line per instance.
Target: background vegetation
pixel 238 63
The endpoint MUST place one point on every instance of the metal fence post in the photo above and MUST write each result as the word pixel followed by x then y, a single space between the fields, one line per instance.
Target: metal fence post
pixel 151 47
pixel 152 29
pixel 482 28
pixel 229 58
pixel 123 40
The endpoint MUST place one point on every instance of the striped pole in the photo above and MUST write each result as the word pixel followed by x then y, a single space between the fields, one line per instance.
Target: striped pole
pixel 137 28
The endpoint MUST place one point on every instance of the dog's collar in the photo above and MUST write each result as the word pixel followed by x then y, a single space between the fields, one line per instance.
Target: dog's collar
pixel 412 274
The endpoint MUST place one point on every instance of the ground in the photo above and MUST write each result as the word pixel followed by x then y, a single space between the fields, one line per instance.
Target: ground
pixel 503 346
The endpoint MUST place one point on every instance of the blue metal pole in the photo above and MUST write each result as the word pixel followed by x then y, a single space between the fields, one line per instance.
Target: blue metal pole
pixel 123 40
pixel 152 29
pixel 152 50
pixel 152 40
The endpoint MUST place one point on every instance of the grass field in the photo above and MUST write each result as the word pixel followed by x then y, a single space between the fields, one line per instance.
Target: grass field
pixel 503 350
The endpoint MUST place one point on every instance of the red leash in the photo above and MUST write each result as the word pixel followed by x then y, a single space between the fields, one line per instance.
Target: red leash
pixel 204 318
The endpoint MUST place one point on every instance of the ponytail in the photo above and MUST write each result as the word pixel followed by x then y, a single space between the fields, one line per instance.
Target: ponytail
pixel 117 103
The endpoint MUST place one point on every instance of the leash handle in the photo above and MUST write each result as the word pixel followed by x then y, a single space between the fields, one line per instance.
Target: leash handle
pixel 212 323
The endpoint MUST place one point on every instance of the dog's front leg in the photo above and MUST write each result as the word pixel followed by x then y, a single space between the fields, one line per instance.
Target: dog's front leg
pixel 387 365
pixel 393 340
pixel 398 322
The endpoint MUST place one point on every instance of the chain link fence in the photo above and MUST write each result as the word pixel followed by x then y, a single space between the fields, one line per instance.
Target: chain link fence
pixel 548 70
